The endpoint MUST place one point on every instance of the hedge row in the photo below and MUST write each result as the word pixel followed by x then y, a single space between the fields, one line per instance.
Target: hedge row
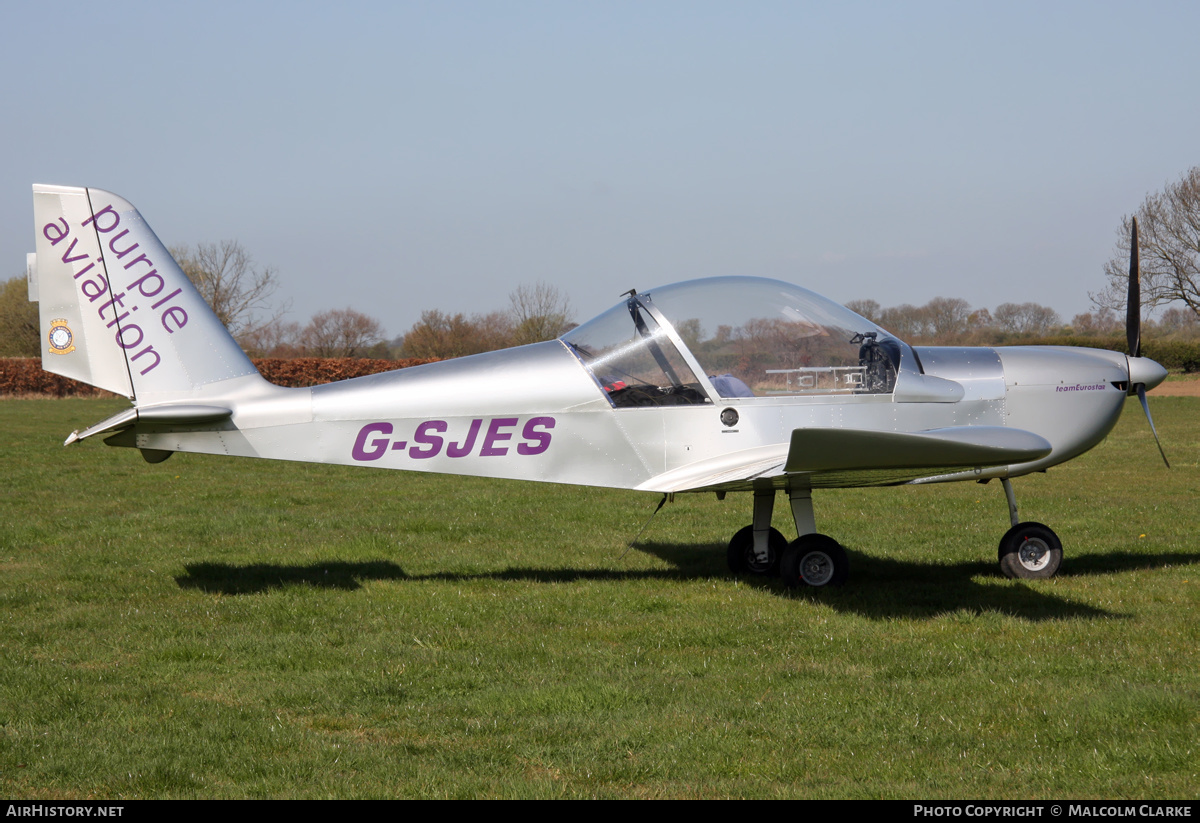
pixel 24 375
pixel 313 371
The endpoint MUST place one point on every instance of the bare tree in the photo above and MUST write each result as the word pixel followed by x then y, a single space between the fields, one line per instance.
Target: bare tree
pixel 340 333
pixel 980 320
pixel 1100 323
pixel 906 321
pixel 20 328
pixel 946 317
pixel 1030 319
pixel 539 312
pixel 231 283
pixel 454 335
pixel 1179 322
pixel 867 308
pixel 1168 249
pixel 279 339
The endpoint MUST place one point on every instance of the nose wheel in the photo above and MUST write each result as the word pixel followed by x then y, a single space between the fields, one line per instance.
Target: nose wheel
pixel 1030 551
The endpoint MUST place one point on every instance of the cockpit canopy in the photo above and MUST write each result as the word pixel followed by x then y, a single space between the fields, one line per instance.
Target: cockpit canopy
pixel 733 337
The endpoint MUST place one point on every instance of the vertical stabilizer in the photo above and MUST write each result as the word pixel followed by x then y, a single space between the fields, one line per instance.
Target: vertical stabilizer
pixel 116 310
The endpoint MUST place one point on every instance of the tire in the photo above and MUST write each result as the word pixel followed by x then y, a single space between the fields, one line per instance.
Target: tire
pixel 814 560
pixel 741 556
pixel 1030 551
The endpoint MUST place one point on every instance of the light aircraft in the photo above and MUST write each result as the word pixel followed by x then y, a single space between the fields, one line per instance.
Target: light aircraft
pixel 731 384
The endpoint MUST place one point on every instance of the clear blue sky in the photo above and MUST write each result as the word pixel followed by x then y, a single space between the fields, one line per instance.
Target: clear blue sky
pixel 402 156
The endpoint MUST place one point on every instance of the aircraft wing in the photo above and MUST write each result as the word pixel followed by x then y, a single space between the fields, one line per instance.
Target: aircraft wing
pixel 833 458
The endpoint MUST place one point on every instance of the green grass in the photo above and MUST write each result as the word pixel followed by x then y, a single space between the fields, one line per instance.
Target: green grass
pixel 234 628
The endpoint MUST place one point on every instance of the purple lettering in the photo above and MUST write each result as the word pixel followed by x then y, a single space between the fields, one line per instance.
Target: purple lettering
pixel 178 315
pixel 141 258
pixel 494 434
pixel 70 249
pixel 117 320
pixel 117 300
pixel 376 447
pixel 59 234
pixel 84 270
pixel 141 283
pixel 539 441
pixel 124 251
pixel 432 440
pixel 147 350
pixel 121 337
pixel 165 299
pixel 464 448
pixel 99 288
pixel 95 218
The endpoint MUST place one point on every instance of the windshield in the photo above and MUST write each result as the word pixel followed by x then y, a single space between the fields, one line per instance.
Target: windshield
pixel 750 336
pixel 633 358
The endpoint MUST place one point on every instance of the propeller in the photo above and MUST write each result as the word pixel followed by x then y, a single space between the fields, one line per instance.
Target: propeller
pixel 1133 334
pixel 1133 306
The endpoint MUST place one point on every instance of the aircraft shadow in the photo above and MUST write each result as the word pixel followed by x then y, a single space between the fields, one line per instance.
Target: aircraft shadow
pixel 224 578
pixel 1116 562
pixel 879 587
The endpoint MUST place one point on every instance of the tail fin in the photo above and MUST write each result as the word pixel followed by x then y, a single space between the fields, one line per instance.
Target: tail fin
pixel 116 310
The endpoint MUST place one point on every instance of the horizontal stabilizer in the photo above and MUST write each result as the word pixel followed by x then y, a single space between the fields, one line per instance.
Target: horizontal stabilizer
pixel 182 414
pixel 822 450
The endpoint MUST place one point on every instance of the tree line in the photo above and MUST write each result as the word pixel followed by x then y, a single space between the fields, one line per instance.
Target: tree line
pixel 952 321
pixel 241 293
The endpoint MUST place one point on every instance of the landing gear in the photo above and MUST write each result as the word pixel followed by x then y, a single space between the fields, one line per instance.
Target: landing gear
pixel 758 547
pixel 811 560
pixel 1030 551
pixel 743 558
pixel 814 560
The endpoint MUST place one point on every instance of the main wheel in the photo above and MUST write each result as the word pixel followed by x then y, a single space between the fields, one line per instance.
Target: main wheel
pixel 742 558
pixel 1030 551
pixel 814 560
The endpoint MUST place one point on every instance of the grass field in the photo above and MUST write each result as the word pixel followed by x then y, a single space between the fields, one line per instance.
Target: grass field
pixel 232 628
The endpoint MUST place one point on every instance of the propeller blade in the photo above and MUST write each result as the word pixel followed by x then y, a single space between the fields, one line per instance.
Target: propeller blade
pixel 1141 393
pixel 1133 306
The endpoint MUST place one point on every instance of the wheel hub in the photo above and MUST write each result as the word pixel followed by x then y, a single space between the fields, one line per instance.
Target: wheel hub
pixel 1034 554
pixel 755 565
pixel 816 568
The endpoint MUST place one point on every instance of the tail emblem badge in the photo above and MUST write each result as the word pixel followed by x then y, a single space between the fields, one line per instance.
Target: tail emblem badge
pixel 62 341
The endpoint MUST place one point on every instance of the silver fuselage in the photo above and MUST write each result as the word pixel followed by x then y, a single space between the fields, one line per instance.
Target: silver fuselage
pixel 535 413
